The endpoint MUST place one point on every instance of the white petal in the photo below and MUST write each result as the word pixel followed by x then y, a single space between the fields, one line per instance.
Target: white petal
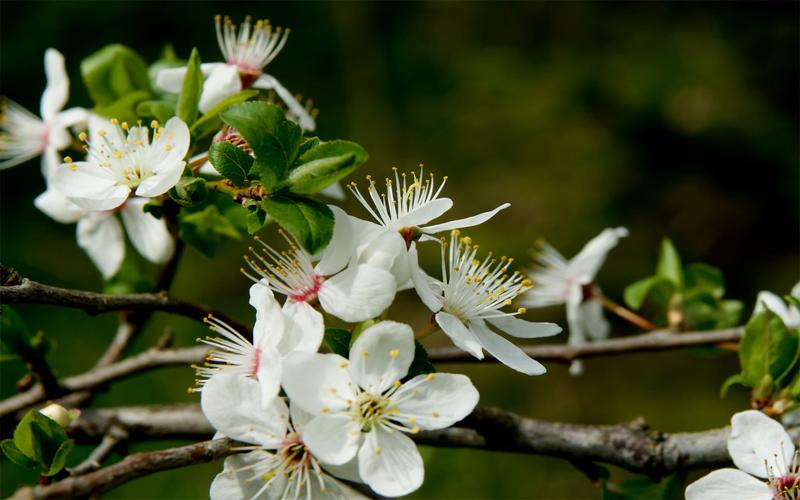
pixel 358 293
pixel 462 337
pixel 423 284
pixel 58 207
pixel 755 438
pixel 593 254
pixel 300 418
pixel 523 329
pixel 304 119
pixel 171 79
pixel 270 326
pixel 149 235
pixel 89 186
pixel 237 481
pixel 318 383
pixel 593 320
pixel 57 91
pixel 51 160
pixel 436 401
pixel 383 249
pixel 304 328
pixel 774 304
pixel 100 235
pixel 381 355
pixel 467 222
pixel 576 334
pixel 335 191
pixel 728 484
pixel 268 374
pixel 162 180
pixel 333 438
pixel 222 82
pixel 232 403
pixel 341 247
pixel 505 352
pixel 174 140
pixel 72 117
pixel 347 471
pixel 425 213
pixel 389 463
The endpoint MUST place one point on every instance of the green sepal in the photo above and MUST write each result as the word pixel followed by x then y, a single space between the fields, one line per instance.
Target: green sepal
pixel 191 90
pixel 230 161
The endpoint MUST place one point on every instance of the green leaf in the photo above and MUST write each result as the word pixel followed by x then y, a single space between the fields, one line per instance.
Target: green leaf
pixel 324 164
pixel 189 191
pixel 273 138
pixel 230 161
pixel 700 310
pixel 729 313
pixel 125 108
pixel 191 90
pixel 211 121
pixel 338 341
pixel 421 365
pixel 114 72
pixel 309 221
pixel 767 348
pixel 636 293
pixel 257 219
pixel 160 110
pixel 669 264
pixel 307 144
pixel 739 378
pixel 59 459
pixel 16 456
pixel 705 277
pixel 204 229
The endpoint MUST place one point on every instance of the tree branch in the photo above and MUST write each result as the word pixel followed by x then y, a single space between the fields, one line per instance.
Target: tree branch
pixel 31 292
pixel 661 340
pixel 115 435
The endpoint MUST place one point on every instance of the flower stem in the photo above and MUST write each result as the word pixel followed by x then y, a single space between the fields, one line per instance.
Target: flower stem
pixel 623 312
pixel 225 186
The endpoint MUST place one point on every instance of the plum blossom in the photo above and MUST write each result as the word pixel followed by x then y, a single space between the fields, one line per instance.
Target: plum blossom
pixel 362 409
pixel 788 313
pixel 470 295
pixel 402 214
pixel 24 136
pixel 766 461
pixel 246 52
pixel 354 293
pixel 276 464
pixel 558 281
pixel 275 335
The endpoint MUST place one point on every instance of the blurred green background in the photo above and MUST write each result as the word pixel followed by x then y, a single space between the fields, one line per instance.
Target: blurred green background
pixel 676 119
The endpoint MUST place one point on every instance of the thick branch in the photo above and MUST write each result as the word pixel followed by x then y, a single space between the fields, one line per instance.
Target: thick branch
pixel 31 292
pixel 132 467
pixel 661 340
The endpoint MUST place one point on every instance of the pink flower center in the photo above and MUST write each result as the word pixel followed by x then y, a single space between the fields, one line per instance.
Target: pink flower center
pixel 786 487
pixel 308 294
pixel 256 362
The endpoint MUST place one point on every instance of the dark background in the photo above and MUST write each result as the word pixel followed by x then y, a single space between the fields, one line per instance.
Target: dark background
pixel 676 119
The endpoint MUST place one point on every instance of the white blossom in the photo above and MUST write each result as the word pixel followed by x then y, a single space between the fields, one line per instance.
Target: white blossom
pixel 354 293
pixel 246 52
pixel 24 136
pixel 788 313
pixel 767 465
pixel 558 281
pixel 470 297
pixel 363 410
pixel 276 463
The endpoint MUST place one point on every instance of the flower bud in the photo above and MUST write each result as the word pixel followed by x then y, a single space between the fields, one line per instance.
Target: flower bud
pixel 59 414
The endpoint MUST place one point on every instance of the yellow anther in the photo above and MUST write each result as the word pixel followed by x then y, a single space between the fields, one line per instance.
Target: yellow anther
pixel 377 451
pixel 67 159
pixel 154 124
pixel 101 132
pixel 82 136
pixel 343 365
pixel 522 310
pixel 507 302
pixel 325 409
pixel 125 125
pixel 414 430
pixel 394 353
pixel 365 353
pixel 411 420
pixel 430 376
pixel 435 414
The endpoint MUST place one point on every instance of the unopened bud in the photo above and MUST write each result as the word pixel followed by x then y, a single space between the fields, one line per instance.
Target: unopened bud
pixel 59 414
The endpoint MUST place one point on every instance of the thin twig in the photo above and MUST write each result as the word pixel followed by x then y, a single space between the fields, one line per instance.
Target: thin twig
pixel 623 312
pixel 111 439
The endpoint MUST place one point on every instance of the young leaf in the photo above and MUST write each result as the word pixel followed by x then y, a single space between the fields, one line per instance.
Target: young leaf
pixel 113 72
pixel 230 161
pixel 59 459
pixel 669 264
pixel 705 277
pixel 189 191
pixel 739 378
pixel 309 221
pixel 636 293
pixel 257 219
pixel 210 121
pixel 191 90
pixel 767 348
pixel 125 108
pixel 273 138
pixel 37 437
pixel 160 110
pixel 324 164
pixel 16 456
pixel 204 229
pixel 338 341
pixel 306 145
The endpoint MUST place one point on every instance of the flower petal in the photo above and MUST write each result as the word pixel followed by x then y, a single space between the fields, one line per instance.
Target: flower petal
pixel 72 117
pixel 333 439
pixel 594 322
pixel 232 403
pixel 423 284
pixel 89 186
pixel 756 438
pixel 318 383
pixel 165 176
pixel 467 222
pixel 523 329
pixel 462 337
pixel 100 235
pixel 728 483
pixel 57 91
pixel 381 355
pixel 593 254
pixel 270 326
pixel 56 206
pixel 389 463
pixel 149 235
pixel 300 113
pixel 425 213
pixel 358 293
pixel 335 191
pixel 171 79
pixel 304 328
pixel 223 81
pixel 238 479
pixel 436 400
pixel 268 374
pixel 340 249
pixel 505 352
